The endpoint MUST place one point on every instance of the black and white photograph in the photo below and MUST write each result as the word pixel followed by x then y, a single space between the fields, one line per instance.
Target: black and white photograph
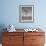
pixel 26 13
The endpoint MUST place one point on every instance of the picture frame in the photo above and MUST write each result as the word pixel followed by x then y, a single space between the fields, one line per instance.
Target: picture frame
pixel 26 13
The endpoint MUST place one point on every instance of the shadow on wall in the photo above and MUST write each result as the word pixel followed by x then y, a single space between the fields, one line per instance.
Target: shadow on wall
pixel 2 26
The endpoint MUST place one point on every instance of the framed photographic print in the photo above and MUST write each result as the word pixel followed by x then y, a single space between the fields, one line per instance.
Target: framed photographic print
pixel 26 13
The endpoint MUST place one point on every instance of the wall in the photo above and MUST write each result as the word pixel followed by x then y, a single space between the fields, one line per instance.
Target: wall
pixel 10 13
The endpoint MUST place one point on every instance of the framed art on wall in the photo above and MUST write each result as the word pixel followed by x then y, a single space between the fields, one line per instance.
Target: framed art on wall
pixel 26 13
